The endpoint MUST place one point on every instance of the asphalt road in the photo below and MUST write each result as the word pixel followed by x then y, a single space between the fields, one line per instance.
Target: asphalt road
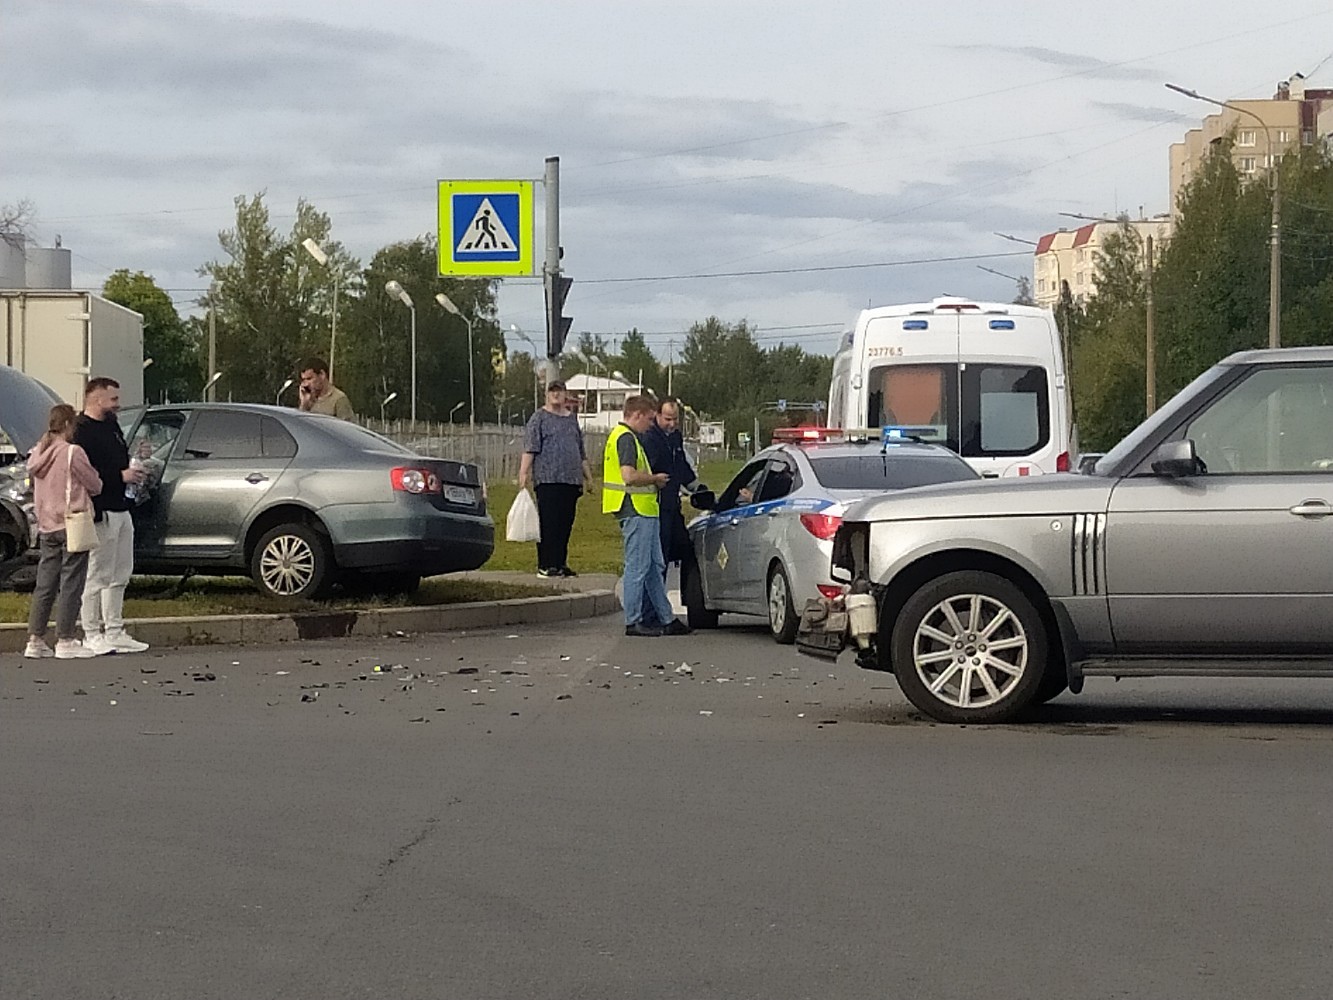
pixel 577 819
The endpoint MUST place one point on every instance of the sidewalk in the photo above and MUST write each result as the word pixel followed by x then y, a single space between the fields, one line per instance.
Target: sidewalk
pixel 578 597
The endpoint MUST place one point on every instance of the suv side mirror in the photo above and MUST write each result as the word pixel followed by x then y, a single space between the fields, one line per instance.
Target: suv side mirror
pixel 1176 460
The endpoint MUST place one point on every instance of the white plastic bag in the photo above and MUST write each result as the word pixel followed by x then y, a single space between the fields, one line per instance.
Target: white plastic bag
pixel 522 524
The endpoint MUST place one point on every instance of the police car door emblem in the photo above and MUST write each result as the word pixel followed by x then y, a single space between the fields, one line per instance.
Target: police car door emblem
pixel 722 557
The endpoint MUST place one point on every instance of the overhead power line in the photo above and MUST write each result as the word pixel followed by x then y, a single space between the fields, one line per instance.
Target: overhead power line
pixel 805 270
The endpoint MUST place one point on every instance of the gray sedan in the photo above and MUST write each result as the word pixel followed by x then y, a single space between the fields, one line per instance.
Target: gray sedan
pixel 1199 545
pixel 765 547
pixel 299 501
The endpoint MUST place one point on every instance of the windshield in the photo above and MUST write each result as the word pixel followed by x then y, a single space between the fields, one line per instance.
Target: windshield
pixel 978 410
pixel 1166 415
pixel 890 471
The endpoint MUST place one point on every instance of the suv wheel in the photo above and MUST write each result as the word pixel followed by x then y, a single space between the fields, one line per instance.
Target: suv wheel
pixel 782 618
pixel 969 647
pixel 292 560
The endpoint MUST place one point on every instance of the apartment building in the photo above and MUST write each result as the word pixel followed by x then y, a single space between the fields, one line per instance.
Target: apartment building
pixel 1071 255
pixel 1296 115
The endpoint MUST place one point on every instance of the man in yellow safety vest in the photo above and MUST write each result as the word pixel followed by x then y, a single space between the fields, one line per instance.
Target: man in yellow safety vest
pixel 629 491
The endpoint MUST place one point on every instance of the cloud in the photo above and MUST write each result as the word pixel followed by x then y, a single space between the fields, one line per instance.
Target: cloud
pixel 1075 63
pixel 1145 113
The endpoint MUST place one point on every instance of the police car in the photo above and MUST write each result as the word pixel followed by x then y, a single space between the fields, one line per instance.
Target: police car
pixel 765 544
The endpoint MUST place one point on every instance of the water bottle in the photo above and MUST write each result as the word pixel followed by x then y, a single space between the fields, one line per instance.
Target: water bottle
pixel 132 489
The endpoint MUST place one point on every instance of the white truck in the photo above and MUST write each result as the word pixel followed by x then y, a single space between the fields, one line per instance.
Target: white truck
pixel 63 337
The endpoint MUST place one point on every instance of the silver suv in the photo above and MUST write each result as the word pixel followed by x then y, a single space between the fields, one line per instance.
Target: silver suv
pixel 1202 544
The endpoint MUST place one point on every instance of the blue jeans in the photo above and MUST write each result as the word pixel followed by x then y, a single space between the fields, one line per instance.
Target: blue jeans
pixel 646 600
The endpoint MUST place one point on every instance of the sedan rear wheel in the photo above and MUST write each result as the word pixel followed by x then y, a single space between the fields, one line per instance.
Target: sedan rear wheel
pixel 969 647
pixel 782 619
pixel 292 560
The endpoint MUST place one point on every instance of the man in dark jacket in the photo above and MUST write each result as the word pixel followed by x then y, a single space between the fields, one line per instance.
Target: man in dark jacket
pixel 97 432
pixel 665 448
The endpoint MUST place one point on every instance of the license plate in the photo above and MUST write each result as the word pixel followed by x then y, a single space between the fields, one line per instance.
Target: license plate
pixel 460 494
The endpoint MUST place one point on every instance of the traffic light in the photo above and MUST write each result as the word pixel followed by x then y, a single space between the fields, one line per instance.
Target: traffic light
pixel 557 324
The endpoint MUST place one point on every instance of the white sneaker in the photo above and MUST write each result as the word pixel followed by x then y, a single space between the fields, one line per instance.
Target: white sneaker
pixel 97 644
pixel 72 649
pixel 37 649
pixel 123 642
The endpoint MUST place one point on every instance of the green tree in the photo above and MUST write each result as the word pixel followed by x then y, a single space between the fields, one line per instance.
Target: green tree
pixel 272 300
pixel 379 358
pixel 176 372
pixel 635 357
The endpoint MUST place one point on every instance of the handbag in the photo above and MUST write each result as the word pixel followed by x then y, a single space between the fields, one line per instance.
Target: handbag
pixel 80 531
pixel 523 523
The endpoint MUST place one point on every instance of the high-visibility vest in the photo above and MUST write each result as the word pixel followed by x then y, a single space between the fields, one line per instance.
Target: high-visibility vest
pixel 614 489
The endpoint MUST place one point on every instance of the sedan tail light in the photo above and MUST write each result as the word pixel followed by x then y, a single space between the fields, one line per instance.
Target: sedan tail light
pixel 822 526
pixel 409 480
pixel 831 590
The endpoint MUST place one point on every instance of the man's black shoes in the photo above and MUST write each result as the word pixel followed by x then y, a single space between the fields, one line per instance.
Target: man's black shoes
pixel 674 627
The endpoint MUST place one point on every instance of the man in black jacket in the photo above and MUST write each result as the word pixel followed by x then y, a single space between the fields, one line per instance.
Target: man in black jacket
pixel 665 448
pixel 97 432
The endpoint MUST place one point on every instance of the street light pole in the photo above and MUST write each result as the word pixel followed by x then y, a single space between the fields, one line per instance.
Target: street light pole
pixel 448 305
pixel 523 336
pixel 1275 222
pixel 398 292
pixel 322 258
pixel 385 402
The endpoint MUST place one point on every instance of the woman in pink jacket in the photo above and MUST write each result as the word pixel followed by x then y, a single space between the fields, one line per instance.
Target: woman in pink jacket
pixel 60 574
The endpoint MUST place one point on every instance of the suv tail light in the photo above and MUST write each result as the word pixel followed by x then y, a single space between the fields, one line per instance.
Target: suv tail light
pixel 409 480
pixel 1062 462
pixel 822 526
pixel 831 590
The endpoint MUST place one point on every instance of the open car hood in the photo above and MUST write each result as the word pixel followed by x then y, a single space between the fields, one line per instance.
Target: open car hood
pixel 25 404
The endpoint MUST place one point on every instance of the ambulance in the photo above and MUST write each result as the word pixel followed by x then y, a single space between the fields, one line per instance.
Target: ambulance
pixel 985 379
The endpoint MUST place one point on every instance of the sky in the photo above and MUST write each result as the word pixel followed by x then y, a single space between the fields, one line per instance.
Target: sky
pixel 783 163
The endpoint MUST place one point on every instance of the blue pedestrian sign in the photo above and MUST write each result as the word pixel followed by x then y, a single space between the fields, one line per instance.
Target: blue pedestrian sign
pixel 485 228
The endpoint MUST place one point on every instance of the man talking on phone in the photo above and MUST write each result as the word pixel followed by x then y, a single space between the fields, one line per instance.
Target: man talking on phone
pixel 319 395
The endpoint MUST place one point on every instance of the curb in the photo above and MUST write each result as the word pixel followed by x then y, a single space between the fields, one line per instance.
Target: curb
pixel 256 629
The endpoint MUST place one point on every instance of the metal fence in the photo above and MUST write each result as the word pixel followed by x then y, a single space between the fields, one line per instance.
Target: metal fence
pixel 496 448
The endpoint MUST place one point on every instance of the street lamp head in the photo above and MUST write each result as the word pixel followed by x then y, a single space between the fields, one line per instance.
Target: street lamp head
pixel 389 398
pixel 286 385
pixel 397 291
pixel 457 406
pixel 315 250
pixel 147 362
pixel 447 303
pixel 620 375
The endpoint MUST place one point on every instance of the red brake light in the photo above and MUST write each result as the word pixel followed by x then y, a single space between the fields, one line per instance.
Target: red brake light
pixel 408 480
pixel 822 526
pixel 831 590
pixel 1062 462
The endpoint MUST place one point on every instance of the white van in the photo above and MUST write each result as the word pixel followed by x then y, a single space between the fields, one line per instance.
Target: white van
pixel 986 379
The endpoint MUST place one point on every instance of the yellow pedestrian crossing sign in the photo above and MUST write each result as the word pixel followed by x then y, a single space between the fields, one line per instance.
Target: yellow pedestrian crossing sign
pixel 486 228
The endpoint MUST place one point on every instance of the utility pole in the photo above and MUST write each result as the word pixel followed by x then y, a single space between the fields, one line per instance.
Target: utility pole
pixel 556 284
pixel 1275 253
pixel 212 347
pixel 671 364
pixel 1150 354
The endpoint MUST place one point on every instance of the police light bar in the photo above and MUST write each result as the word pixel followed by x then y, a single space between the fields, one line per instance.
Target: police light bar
pixel 799 434
pixel 890 433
